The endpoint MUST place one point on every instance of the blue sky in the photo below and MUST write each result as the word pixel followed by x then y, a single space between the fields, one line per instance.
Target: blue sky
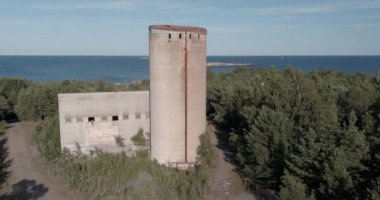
pixel 235 27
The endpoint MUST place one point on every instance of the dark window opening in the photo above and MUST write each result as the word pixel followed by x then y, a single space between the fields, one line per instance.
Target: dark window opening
pixel 138 115
pixel 170 36
pixel 104 118
pixel 115 118
pixel 125 117
pixel 91 119
pixel 180 35
pixel 199 36
pixel 190 36
pixel 68 119
pixel 79 119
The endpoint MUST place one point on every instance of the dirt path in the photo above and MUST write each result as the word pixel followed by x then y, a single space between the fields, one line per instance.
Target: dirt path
pixel 225 182
pixel 28 178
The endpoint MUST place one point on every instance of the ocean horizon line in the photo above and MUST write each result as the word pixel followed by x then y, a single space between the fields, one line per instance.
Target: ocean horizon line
pixel 126 68
pixel 275 55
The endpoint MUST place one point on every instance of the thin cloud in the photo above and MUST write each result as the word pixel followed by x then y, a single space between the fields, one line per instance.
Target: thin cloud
pixel 365 26
pixel 223 29
pixel 88 5
pixel 165 7
pixel 320 8
pixel 291 10
pixel 362 5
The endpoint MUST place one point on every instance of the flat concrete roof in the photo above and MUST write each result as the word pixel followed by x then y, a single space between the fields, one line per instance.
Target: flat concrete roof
pixel 100 93
pixel 99 103
pixel 179 28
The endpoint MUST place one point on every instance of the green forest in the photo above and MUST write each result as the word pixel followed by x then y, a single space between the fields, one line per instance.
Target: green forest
pixel 303 135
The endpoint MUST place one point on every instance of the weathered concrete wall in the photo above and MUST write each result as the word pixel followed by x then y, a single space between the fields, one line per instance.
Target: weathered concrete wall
pixel 115 114
pixel 177 92
pixel 196 92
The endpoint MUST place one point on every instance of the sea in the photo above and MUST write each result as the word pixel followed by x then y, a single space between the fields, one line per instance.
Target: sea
pixel 124 69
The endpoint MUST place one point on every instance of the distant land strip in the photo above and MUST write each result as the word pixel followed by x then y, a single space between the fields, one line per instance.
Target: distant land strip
pixel 221 64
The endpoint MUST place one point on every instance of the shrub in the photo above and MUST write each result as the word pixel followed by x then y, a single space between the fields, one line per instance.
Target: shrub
pixel 139 138
pixel 119 141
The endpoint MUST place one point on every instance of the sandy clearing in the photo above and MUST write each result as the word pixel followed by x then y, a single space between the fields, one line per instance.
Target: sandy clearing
pixel 225 182
pixel 28 178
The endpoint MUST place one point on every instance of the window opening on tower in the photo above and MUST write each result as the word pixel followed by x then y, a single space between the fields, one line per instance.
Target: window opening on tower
pixel 67 119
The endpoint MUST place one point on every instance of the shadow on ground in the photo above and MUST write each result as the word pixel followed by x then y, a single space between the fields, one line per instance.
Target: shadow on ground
pixel 5 162
pixel 26 190
pixel 223 144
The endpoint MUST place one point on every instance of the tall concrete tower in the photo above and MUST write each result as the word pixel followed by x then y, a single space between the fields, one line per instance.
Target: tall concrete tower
pixel 177 92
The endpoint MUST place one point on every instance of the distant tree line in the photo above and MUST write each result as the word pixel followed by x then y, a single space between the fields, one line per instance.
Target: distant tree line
pixel 40 100
pixel 304 135
pixel 27 100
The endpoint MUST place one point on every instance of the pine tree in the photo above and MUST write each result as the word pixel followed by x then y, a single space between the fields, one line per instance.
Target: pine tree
pixel 5 162
pixel 266 146
pixel 305 160
pixel 294 189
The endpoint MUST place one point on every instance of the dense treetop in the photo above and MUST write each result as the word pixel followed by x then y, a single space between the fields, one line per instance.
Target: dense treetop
pixel 305 135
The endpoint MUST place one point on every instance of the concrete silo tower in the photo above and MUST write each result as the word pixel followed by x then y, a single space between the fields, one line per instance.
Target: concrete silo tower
pixel 177 92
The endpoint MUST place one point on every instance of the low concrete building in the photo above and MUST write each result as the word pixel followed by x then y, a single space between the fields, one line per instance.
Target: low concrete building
pixel 89 120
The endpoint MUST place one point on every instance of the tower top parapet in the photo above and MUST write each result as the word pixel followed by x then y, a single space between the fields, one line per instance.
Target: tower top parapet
pixel 178 28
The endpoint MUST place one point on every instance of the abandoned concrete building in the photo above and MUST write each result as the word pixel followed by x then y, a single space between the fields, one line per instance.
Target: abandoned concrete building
pixel 94 119
pixel 172 113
